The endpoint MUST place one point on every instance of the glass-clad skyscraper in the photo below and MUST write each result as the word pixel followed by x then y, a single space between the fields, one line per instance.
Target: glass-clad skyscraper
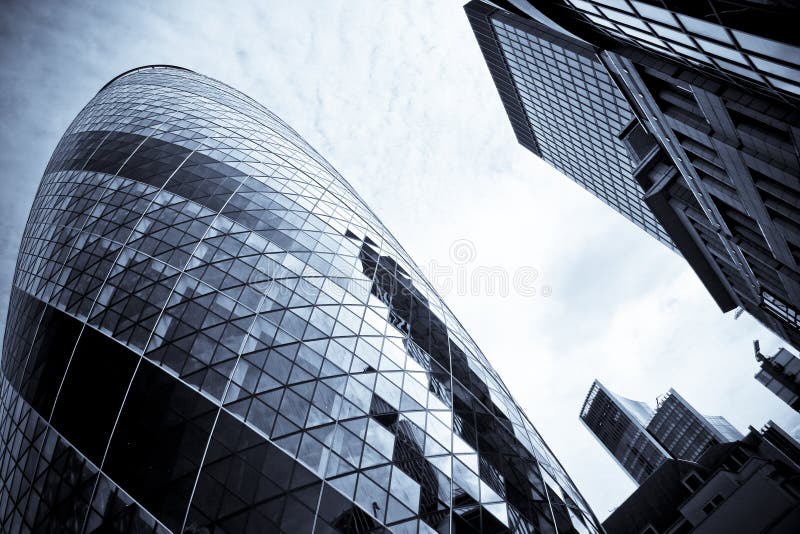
pixel 702 96
pixel 564 107
pixel 620 424
pixel 210 331
pixel 749 43
pixel 641 439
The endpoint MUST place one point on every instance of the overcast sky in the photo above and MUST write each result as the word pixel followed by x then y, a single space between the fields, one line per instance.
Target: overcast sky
pixel 397 97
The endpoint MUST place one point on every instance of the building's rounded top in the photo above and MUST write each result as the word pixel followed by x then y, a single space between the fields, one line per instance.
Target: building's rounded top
pixel 143 67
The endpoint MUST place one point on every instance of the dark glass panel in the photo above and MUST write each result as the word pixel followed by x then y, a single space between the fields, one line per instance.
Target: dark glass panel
pixel 66 486
pixel 639 142
pixel 74 150
pixel 22 435
pixel 247 484
pixel 113 510
pixel 205 180
pixel 199 177
pixel 48 359
pixel 159 441
pixel 24 312
pixel 93 390
pixel 110 156
pixel 154 162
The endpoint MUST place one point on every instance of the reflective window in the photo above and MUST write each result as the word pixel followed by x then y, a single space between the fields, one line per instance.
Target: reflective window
pixel 55 339
pixel 158 443
pixel 576 113
pixel 91 396
pixel 706 29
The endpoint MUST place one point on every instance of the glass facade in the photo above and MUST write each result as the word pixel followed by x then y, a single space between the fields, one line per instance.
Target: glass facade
pixel 721 35
pixel 574 111
pixel 622 432
pixel 684 432
pixel 725 429
pixel 210 331
pixel 642 439
pixel 675 114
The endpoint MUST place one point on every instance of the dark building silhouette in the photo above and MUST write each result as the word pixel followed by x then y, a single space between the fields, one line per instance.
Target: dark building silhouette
pixel 210 331
pixel 780 373
pixel 750 485
pixel 642 439
pixel 712 87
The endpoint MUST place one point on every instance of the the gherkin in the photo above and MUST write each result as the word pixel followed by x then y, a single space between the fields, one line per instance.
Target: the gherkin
pixel 209 331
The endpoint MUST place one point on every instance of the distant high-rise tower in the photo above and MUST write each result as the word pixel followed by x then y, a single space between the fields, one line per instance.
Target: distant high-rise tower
pixel 641 439
pixel 780 373
pixel 209 331
pixel 704 97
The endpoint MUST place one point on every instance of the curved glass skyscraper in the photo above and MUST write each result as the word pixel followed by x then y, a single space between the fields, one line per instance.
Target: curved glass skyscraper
pixel 209 331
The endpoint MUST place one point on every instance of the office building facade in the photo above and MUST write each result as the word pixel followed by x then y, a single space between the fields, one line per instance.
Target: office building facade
pixel 780 373
pixel 210 331
pixel 621 426
pixel 720 173
pixel 641 439
pixel 750 485
pixel 746 43
pixel 563 106
pixel 713 144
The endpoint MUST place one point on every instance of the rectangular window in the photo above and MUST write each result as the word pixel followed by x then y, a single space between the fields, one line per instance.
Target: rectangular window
pixel 693 482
